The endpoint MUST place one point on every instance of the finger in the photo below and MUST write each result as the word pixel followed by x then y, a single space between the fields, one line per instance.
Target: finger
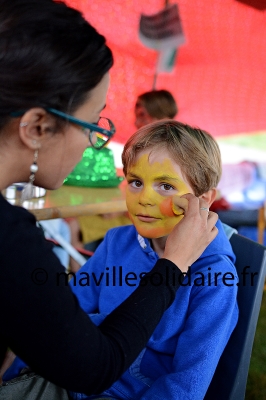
pixel 204 208
pixel 179 205
pixel 192 203
pixel 213 217
pixel 211 220
pixel 214 233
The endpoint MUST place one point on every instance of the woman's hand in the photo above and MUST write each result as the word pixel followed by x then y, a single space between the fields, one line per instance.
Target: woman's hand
pixel 192 234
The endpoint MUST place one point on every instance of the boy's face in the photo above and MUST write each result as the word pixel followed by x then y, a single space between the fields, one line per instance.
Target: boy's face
pixel 152 182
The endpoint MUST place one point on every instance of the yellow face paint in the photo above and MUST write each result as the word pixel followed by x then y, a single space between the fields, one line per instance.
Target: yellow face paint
pixel 152 182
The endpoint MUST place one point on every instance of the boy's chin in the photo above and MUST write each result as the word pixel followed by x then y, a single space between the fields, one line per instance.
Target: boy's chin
pixel 158 231
pixel 154 233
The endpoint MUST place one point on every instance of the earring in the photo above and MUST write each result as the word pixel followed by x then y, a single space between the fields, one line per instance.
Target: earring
pixel 27 192
pixel 23 124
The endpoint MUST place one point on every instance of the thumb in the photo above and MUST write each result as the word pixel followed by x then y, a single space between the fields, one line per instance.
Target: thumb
pixel 179 204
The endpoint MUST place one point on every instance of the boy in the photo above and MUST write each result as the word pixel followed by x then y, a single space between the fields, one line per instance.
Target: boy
pixel 163 160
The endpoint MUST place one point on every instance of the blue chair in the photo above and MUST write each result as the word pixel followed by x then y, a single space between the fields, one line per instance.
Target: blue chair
pixel 230 378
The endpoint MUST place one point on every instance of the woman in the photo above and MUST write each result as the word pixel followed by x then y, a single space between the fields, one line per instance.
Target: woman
pixel 53 84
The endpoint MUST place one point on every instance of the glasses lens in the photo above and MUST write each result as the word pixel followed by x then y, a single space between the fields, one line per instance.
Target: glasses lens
pixel 100 139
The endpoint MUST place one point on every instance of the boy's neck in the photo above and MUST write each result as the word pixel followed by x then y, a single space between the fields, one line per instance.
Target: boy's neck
pixel 158 245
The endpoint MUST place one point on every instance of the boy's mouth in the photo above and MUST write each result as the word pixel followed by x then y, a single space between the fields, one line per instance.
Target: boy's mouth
pixel 146 218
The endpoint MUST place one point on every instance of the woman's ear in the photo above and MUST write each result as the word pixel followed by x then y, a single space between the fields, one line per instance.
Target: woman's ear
pixel 209 196
pixel 33 127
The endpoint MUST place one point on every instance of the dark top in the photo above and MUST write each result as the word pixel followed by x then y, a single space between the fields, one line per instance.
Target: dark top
pixel 41 320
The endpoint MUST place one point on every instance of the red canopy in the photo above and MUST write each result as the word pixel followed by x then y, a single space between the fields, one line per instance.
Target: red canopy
pixel 219 80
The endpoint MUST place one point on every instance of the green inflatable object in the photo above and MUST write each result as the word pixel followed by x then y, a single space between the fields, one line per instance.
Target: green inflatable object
pixel 96 169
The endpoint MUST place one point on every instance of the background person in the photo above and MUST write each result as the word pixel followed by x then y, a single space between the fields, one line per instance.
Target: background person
pixel 154 105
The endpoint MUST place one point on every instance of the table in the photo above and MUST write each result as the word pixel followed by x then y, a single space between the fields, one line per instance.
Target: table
pixel 72 201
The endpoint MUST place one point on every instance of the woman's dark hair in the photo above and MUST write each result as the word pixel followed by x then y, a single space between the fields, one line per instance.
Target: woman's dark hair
pixel 49 56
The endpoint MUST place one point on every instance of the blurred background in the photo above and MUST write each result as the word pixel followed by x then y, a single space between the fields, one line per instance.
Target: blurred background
pixel 218 78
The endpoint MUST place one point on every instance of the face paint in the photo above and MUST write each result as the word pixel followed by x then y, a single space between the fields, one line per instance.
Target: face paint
pixel 169 208
pixel 152 182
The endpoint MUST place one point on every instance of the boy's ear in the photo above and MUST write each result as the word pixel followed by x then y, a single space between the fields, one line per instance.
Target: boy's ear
pixel 209 196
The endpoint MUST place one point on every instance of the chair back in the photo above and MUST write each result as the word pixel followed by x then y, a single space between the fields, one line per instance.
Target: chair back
pixel 230 378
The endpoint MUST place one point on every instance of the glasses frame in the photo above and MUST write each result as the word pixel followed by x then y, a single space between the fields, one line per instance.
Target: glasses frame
pixel 86 125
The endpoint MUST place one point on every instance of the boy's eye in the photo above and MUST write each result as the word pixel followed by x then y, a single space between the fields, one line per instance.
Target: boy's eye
pixel 135 183
pixel 166 186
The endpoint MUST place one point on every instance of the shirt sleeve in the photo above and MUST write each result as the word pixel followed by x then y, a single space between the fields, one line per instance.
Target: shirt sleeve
pixel 42 322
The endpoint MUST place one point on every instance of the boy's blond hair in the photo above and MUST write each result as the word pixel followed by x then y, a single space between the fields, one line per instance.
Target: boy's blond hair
pixel 194 150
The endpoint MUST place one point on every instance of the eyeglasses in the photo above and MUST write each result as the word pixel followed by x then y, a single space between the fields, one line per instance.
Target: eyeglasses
pixel 98 135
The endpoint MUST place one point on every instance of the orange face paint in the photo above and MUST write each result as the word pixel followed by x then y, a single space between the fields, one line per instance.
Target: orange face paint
pixel 166 207
pixel 152 182
pixel 169 208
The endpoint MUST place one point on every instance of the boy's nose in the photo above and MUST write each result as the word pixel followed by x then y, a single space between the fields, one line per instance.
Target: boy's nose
pixel 146 197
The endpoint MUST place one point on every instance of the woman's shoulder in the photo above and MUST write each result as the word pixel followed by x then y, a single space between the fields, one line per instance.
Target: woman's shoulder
pixel 19 232
pixel 13 216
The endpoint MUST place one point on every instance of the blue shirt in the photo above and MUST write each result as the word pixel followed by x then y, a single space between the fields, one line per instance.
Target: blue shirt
pixel 181 356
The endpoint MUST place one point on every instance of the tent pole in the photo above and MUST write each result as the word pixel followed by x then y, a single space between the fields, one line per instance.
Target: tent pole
pixel 166 2
pixel 155 79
